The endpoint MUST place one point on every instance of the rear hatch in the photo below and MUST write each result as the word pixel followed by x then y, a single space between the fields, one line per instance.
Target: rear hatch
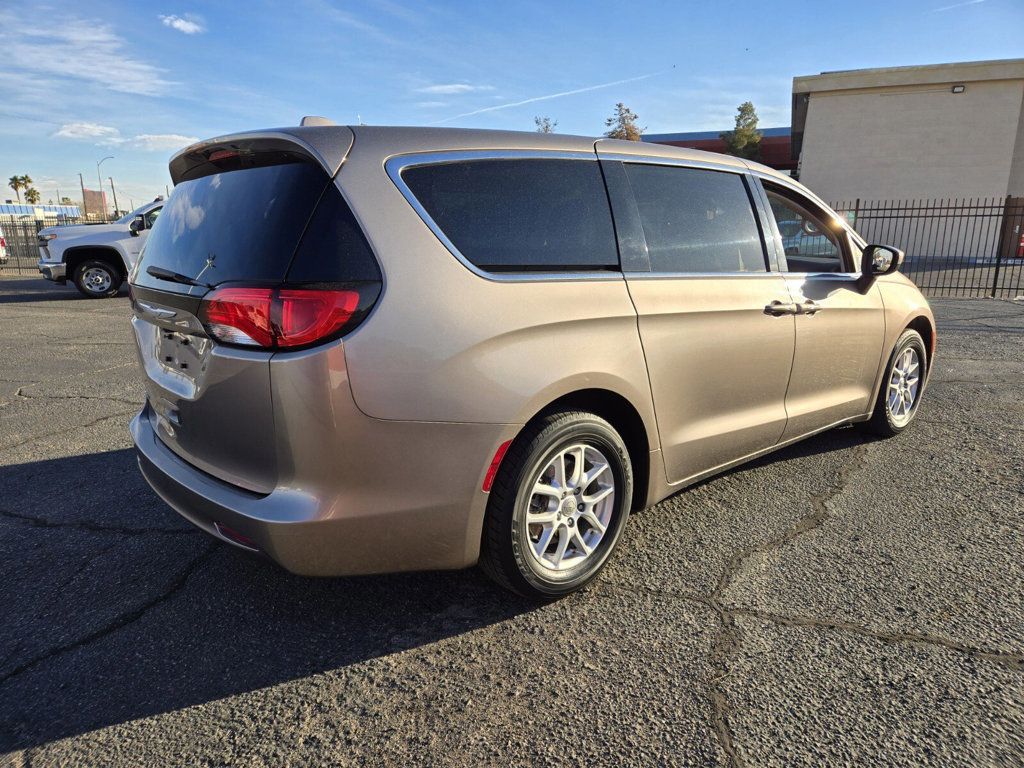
pixel 247 227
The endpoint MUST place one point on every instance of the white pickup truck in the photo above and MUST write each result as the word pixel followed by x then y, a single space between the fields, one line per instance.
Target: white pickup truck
pixel 96 257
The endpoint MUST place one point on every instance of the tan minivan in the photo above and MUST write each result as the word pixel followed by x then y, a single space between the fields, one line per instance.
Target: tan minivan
pixel 381 349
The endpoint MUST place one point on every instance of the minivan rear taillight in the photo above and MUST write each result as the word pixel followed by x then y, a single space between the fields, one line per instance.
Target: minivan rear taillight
pixel 280 318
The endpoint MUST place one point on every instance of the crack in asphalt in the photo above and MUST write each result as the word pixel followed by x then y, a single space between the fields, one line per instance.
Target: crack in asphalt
pixel 121 621
pixel 90 527
pixel 1014 661
pixel 40 396
pixel 729 639
pixel 66 430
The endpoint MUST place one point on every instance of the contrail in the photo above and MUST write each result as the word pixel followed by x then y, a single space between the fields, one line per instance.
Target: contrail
pixel 507 105
pixel 956 5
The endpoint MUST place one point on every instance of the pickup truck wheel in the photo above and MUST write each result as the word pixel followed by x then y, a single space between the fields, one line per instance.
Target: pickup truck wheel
pixel 98 279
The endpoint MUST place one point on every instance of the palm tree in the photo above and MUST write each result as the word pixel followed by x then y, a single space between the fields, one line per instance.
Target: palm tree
pixel 32 195
pixel 18 183
pixel 15 183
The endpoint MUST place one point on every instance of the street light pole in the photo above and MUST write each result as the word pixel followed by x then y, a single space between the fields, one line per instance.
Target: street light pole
pixel 85 205
pixel 114 193
pixel 100 180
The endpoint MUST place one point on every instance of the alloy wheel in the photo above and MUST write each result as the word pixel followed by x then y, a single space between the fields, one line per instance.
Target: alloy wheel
pixel 904 386
pixel 570 507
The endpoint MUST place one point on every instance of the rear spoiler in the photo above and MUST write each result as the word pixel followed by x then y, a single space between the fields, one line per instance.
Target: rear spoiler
pixel 328 145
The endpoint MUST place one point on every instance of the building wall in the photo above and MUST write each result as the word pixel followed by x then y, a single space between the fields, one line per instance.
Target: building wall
pixel 1016 185
pixel 96 202
pixel 914 141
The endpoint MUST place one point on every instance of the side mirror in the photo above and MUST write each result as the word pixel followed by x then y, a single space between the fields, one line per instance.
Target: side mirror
pixel 878 260
pixel 810 228
pixel 137 225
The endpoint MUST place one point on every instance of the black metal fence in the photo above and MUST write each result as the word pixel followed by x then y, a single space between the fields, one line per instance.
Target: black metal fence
pixel 954 247
pixel 21 240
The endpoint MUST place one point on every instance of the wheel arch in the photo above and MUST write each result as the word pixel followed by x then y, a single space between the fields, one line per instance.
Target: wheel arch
pixel 75 255
pixel 618 411
pixel 924 326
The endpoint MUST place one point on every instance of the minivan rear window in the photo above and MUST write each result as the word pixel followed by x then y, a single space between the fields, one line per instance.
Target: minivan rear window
pixel 522 214
pixel 241 225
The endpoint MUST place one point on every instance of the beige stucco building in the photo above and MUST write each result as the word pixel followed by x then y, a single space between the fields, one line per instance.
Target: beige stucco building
pixel 925 132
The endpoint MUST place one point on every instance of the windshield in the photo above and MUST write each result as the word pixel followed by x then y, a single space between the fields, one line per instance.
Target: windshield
pixel 127 218
pixel 237 225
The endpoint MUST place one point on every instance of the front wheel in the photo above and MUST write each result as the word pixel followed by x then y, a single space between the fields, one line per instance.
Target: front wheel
pixel 558 505
pixel 902 386
pixel 97 279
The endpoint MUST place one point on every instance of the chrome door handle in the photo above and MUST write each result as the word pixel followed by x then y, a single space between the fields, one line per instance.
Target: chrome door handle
pixel 809 308
pixel 777 308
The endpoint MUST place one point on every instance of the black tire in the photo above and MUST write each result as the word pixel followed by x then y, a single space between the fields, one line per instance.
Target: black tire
pixel 502 555
pixel 882 422
pixel 87 274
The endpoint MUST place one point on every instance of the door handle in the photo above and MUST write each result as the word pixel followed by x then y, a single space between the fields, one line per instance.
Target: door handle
pixel 778 308
pixel 809 308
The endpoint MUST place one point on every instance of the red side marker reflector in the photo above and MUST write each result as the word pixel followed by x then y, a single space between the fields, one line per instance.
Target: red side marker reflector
pixel 492 470
pixel 238 538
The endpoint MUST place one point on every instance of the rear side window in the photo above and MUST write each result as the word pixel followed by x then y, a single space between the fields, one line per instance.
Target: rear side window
pixel 696 220
pixel 333 248
pixel 240 225
pixel 520 215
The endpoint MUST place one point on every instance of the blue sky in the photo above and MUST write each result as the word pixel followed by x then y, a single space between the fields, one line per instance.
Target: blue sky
pixel 138 80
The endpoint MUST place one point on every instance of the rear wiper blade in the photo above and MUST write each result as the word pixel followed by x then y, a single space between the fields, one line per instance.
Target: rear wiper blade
pixel 175 277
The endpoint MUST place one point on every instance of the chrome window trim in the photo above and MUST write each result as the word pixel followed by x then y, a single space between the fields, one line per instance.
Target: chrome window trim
pixel 838 276
pixel 705 165
pixel 397 163
pixel 700 275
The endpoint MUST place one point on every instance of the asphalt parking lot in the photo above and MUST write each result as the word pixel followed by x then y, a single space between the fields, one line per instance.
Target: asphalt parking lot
pixel 844 601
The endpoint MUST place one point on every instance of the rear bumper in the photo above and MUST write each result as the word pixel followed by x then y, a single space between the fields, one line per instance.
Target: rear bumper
pixel 56 271
pixel 335 531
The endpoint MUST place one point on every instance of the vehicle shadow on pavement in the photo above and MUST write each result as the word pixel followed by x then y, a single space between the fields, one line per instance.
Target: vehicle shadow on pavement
pixel 115 609
pixel 36 289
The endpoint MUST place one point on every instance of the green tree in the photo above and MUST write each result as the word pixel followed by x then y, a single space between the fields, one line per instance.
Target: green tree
pixel 744 140
pixel 32 196
pixel 545 124
pixel 623 124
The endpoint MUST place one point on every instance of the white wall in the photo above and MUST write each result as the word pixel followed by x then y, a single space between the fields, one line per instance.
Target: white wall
pixel 912 142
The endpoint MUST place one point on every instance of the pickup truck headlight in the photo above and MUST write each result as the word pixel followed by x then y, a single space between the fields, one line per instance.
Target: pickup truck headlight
pixel 47 238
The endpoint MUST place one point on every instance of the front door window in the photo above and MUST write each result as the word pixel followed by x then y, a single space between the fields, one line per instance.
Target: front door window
pixel 809 243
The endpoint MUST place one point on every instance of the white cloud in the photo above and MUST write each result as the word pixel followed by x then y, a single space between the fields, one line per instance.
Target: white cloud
pixel 162 141
pixel 956 5
pixel 108 136
pixel 188 24
pixel 548 97
pixel 74 51
pixel 453 88
pixel 100 134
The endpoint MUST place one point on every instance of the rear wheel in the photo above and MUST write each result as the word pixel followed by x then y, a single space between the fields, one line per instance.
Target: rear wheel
pixel 98 279
pixel 558 505
pixel 902 386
